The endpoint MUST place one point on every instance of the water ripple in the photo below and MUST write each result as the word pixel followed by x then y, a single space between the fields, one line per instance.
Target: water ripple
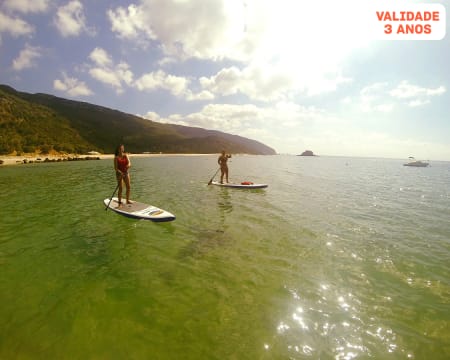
pixel 338 258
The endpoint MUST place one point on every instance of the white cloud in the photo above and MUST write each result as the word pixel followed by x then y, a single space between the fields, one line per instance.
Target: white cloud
pixel 124 73
pixel 15 26
pixel 405 90
pixel 27 6
pixel 70 19
pixel 223 117
pixel 263 82
pixel 118 75
pixel 282 43
pixel 176 85
pixel 247 118
pixel 100 57
pixel 105 71
pixel 106 76
pixel 129 23
pixel 202 95
pixel 418 102
pixel 415 95
pixel 225 82
pixel 258 83
pixel 166 61
pixel 374 98
pixel 151 115
pixel 26 58
pixel 205 29
pixel 72 86
pixel 160 80
pixel 381 97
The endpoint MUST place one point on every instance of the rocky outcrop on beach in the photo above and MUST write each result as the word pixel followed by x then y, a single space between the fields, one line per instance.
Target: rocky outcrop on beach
pixel 9 160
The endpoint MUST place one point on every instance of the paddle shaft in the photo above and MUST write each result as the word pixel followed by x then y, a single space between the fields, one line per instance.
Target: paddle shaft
pixel 210 181
pixel 118 184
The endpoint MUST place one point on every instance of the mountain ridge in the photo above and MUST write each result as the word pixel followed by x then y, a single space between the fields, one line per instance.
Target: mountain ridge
pixel 44 122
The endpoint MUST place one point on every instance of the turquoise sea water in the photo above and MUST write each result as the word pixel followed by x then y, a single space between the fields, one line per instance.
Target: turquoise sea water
pixel 339 258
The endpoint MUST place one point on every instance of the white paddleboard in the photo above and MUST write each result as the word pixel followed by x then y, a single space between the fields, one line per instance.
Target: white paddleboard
pixel 138 210
pixel 240 186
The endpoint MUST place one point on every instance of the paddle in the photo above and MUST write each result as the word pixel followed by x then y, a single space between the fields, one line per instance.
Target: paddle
pixel 210 181
pixel 118 184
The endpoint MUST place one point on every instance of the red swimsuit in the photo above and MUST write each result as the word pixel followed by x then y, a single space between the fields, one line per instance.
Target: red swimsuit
pixel 122 164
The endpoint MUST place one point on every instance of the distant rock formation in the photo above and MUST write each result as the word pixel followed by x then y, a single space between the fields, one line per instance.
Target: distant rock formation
pixel 307 153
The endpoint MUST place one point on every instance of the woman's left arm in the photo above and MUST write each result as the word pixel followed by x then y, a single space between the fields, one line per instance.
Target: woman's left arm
pixel 129 162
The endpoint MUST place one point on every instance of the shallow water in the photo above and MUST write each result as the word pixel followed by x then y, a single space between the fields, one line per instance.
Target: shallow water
pixel 338 258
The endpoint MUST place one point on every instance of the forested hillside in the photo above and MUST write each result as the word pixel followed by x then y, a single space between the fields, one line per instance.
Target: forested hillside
pixel 27 126
pixel 41 122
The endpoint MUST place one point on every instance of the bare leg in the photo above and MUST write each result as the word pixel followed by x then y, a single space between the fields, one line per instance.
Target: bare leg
pixel 128 188
pixel 119 195
pixel 225 172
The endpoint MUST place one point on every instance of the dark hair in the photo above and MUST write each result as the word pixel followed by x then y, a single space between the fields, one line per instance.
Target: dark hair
pixel 116 153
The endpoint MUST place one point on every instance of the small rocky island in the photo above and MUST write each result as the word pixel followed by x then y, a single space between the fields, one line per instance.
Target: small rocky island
pixel 307 153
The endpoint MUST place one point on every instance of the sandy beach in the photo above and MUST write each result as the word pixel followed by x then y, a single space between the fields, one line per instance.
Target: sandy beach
pixel 37 158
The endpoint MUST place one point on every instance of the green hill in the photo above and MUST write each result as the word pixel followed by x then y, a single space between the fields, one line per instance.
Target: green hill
pixel 41 122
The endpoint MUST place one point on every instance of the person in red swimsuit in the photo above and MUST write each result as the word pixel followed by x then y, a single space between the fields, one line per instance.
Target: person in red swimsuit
pixel 121 164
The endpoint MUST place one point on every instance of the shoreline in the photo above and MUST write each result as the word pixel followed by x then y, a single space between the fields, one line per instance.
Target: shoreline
pixel 9 160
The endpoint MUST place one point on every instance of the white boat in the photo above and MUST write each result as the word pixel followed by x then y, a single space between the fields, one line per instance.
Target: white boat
pixel 416 163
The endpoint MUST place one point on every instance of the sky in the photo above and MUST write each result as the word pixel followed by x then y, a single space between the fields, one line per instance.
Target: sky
pixel 294 75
